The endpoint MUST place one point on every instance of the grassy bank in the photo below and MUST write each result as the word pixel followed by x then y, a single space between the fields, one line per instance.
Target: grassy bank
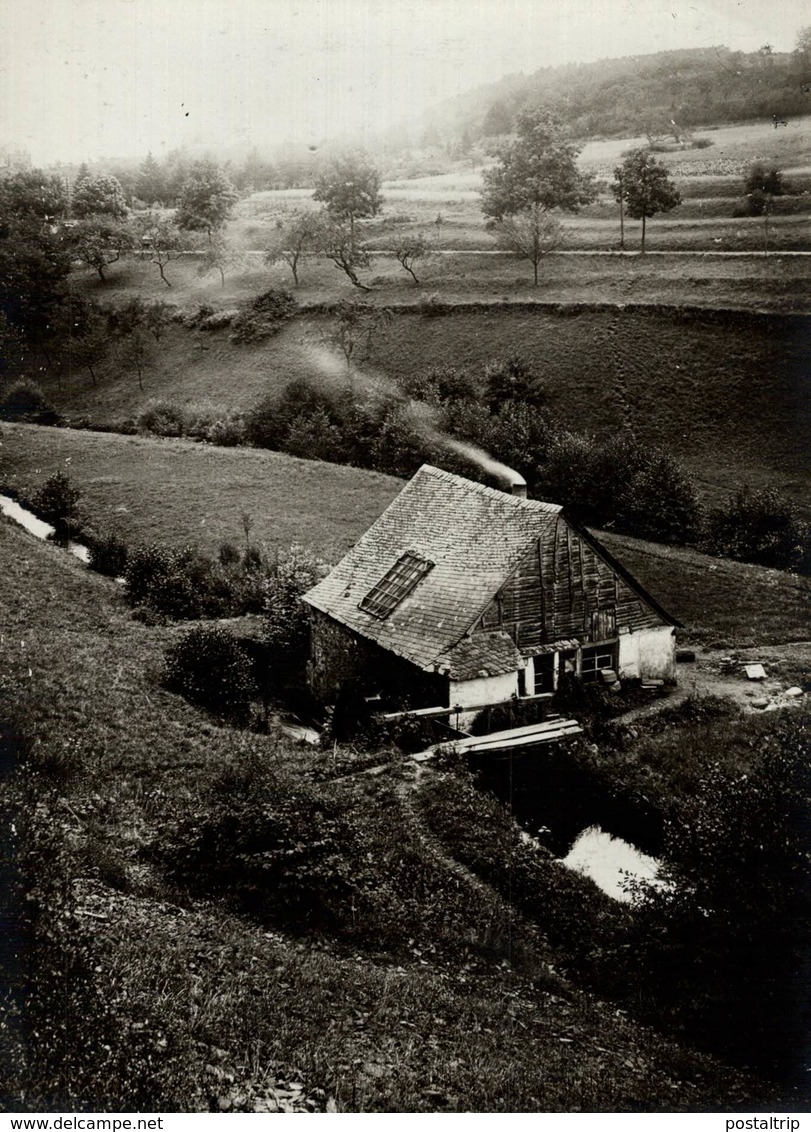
pixel 179 1004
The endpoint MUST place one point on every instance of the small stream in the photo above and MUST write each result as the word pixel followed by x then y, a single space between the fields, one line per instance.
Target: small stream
pixel 567 809
pixel 38 527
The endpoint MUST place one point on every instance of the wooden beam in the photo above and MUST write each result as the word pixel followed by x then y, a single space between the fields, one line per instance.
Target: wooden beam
pixel 438 712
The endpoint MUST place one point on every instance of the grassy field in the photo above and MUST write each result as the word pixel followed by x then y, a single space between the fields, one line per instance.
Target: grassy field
pixel 175 492
pixel 188 1006
pixel 446 210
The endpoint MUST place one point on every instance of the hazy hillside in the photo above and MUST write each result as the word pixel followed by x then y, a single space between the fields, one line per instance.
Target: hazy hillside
pixel 697 87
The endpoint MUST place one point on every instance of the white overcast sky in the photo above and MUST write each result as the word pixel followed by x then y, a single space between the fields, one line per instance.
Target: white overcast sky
pixel 90 78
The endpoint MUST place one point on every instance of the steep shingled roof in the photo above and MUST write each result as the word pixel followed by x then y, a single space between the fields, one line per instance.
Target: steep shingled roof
pixel 473 535
pixel 482 654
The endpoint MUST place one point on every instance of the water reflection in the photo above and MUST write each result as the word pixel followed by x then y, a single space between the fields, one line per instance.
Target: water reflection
pixel 609 861
pixel 38 527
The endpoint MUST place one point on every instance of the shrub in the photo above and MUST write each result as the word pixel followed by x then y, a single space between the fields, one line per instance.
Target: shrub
pixel 721 950
pixel 215 424
pixel 162 418
pixel 282 853
pixel 108 554
pixel 264 317
pixel 286 619
pixel 196 318
pixel 442 383
pixel 761 527
pixel 211 669
pixel 25 401
pixel 57 502
pixel 159 578
pixel 218 320
pixel 313 436
pixel 228 554
pixel 268 422
pixel 512 379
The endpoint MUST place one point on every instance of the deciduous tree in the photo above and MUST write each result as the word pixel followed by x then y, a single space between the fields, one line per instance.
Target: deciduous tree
pixel 355 328
pixel 206 199
pixel 294 240
pixel 535 174
pixel 99 195
pixel 531 235
pixel 99 242
pixel 219 256
pixel 32 195
pixel 158 237
pixel 762 183
pixel 350 188
pixel 90 342
pixel 335 240
pixel 407 248
pixel 137 353
pixel 536 171
pixel 644 188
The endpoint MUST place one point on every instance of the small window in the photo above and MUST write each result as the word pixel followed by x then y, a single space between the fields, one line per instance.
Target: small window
pixel 395 585
pixel 596 660
pixel 544 673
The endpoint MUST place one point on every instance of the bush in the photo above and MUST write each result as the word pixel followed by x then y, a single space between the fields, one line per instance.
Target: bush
pixel 720 952
pixel 162 418
pixel 164 580
pixel 264 317
pixel 212 670
pixel 760 527
pixel 218 320
pixel 227 432
pixel 228 554
pixel 57 502
pixel 215 424
pixel 268 422
pixel 286 617
pixel 25 401
pixel 108 554
pixel 282 853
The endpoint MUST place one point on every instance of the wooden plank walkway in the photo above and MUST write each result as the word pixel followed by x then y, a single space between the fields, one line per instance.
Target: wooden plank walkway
pixel 532 735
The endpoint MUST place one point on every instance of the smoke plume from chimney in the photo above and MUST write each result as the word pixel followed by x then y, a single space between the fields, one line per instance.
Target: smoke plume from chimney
pixel 333 368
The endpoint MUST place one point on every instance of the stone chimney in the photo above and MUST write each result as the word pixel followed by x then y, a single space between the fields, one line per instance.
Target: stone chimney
pixel 518 487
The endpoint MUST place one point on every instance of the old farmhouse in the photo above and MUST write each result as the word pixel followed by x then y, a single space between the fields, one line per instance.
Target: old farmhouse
pixel 464 596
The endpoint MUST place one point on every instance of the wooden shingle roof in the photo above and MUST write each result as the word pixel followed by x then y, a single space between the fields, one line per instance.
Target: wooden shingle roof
pixel 473 535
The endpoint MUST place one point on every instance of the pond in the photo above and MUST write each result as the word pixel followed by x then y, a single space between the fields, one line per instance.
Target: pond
pixel 567 809
pixel 38 527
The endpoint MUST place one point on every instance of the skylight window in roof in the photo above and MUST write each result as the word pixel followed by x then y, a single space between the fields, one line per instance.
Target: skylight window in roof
pixel 395 585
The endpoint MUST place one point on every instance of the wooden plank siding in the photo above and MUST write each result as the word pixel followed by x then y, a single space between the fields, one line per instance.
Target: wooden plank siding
pixel 557 588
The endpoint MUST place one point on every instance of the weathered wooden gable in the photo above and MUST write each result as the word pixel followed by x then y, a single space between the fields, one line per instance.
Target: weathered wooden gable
pixel 564 589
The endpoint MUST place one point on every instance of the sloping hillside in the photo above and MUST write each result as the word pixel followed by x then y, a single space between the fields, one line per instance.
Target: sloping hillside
pixel 197 1007
pixel 176 492
pixel 727 392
